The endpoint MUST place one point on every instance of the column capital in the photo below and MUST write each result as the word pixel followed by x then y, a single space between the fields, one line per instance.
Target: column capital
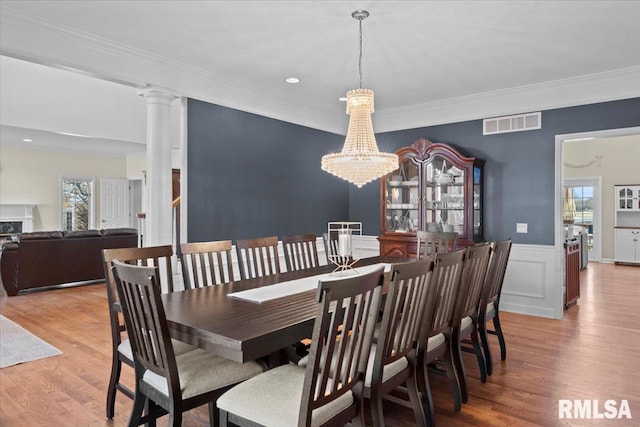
pixel 158 94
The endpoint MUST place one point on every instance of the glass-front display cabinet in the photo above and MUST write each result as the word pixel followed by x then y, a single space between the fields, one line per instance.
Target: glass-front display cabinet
pixel 436 188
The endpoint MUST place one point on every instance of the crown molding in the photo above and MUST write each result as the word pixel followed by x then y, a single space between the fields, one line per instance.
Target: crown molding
pixel 36 40
pixel 28 38
pixel 580 90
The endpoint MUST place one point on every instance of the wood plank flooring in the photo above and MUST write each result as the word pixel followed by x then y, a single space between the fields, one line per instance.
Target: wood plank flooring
pixel 593 353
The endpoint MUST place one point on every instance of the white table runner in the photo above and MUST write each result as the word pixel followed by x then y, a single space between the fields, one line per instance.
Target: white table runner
pixel 279 290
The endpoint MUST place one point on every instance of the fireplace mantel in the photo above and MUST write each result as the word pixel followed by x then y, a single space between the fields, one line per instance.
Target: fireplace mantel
pixel 18 212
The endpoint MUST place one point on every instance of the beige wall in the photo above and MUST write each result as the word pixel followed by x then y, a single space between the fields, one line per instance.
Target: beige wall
pixel 34 176
pixel 136 164
pixel 619 164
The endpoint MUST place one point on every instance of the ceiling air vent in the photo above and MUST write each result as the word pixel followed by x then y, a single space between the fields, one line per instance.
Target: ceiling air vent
pixel 515 123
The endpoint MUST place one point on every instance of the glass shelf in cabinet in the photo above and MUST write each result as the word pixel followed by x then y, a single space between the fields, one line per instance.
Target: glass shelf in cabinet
pixel 402 206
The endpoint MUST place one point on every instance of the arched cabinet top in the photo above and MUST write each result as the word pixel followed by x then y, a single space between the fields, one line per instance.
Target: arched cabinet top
pixel 423 150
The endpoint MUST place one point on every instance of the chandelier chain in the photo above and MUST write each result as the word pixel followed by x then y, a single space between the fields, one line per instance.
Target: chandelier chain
pixel 360 57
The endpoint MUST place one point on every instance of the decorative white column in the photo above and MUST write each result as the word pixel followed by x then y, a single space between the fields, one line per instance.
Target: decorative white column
pixel 159 212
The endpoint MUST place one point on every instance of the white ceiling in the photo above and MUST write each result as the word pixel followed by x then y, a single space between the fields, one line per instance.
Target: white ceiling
pixel 429 62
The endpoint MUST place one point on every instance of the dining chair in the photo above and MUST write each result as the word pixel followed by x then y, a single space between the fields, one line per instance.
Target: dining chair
pixel 206 263
pixel 258 257
pixel 490 302
pixel 164 381
pixel 393 358
pixel 466 321
pixel 328 391
pixel 437 331
pixel 159 256
pixel 300 252
pixel 435 242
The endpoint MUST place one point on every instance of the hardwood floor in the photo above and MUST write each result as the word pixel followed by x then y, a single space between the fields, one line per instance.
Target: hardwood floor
pixel 593 353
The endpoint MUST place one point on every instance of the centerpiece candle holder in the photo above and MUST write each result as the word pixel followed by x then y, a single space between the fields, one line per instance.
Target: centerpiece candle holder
pixel 340 244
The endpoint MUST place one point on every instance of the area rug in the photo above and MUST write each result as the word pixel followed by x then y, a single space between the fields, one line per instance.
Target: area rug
pixel 17 345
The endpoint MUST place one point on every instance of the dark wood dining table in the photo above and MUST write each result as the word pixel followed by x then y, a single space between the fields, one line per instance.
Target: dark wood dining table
pixel 243 330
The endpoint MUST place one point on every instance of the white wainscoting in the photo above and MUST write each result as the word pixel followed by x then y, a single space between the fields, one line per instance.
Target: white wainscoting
pixel 533 282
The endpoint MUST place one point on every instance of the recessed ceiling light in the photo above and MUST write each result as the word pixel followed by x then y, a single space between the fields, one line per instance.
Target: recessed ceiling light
pixel 342 99
pixel 27 140
pixel 292 80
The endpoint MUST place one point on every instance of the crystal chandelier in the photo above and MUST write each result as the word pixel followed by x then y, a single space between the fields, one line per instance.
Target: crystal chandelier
pixel 360 161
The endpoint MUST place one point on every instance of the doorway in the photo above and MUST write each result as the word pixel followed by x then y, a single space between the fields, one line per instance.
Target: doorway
pixel 559 184
pixel 582 207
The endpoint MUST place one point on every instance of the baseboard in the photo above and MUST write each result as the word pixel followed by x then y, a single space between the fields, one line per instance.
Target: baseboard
pixel 527 309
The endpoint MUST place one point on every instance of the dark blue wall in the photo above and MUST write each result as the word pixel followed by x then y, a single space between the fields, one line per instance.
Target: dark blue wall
pixel 252 176
pixel 519 170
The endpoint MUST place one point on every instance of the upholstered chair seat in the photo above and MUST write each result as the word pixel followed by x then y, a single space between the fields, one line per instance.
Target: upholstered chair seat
pixel 389 370
pixel 179 348
pixel 435 342
pixel 272 395
pixel 465 322
pixel 201 371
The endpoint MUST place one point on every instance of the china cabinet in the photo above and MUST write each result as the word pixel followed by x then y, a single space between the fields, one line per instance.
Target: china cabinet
pixel 436 188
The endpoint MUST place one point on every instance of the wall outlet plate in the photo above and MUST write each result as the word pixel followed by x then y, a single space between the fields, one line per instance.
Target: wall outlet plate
pixel 521 227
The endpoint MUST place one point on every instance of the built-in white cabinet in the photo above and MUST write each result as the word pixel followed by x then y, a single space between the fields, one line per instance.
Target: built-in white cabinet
pixel 627 224
pixel 628 245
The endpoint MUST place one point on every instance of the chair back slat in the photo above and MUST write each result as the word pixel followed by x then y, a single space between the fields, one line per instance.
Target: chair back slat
pixel 341 340
pixel 206 263
pixel 156 256
pixel 145 319
pixel 258 257
pixel 443 291
pixel 496 272
pixel 159 256
pixel 300 252
pixel 473 278
pixel 403 313
pixel 433 242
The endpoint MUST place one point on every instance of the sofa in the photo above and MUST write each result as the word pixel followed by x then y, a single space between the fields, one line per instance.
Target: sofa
pixel 46 258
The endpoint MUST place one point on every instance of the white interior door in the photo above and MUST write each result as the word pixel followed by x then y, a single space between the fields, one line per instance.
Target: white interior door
pixel 114 203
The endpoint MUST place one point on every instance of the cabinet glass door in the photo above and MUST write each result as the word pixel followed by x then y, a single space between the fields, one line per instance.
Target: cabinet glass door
pixel 625 198
pixel 444 201
pixel 403 198
pixel 477 203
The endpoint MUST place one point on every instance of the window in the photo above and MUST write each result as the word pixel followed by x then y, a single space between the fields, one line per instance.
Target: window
pixel 577 209
pixel 77 204
pixel 578 205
